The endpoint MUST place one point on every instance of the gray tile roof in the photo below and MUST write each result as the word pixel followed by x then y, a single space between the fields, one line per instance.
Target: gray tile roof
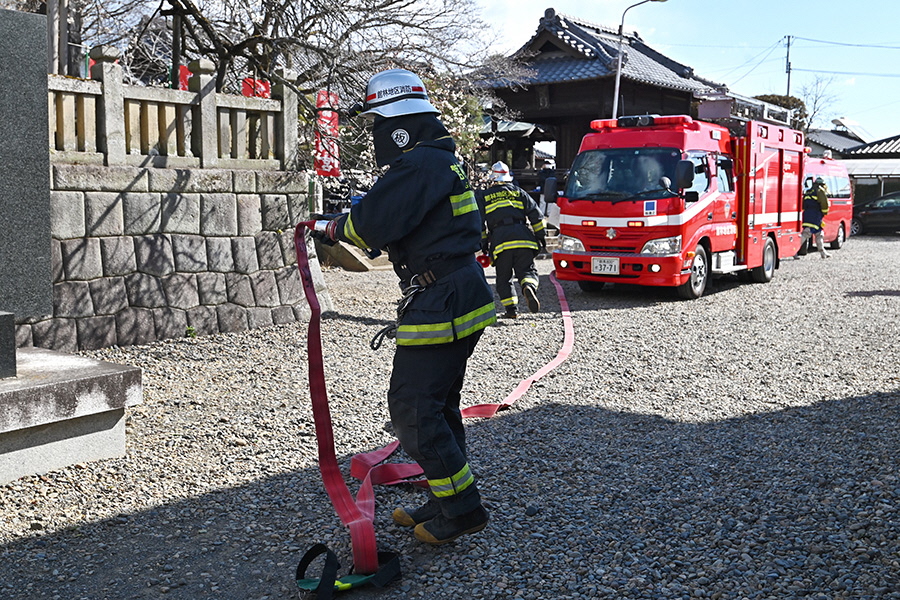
pixel 835 140
pixel 589 51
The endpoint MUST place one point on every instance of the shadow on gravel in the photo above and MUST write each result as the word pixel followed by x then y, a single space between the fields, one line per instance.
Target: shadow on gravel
pixel 337 316
pixel 870 293
pixel 797 503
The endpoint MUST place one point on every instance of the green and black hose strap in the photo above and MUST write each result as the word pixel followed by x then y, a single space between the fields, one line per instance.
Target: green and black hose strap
pixel 328 583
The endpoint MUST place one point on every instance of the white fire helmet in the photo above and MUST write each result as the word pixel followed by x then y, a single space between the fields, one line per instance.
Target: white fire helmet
pixel 394 93
pixel 500 172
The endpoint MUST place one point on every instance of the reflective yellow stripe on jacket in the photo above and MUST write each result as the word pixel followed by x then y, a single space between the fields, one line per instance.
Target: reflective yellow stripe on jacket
pixel 350 233
pixel 475 320
pixel 463 203
pixel 450 486
pixel 515 244
pixel 504 203
pixel 442 333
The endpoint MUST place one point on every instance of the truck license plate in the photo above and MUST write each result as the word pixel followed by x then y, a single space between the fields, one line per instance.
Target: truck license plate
pixel 601 265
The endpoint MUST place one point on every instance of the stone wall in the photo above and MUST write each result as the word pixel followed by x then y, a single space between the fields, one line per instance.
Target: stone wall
pixel 140 254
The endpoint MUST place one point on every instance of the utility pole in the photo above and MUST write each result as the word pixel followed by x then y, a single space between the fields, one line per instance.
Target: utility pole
pixel 787 66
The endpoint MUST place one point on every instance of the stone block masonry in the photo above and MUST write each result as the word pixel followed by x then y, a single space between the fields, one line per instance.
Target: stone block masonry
pixel 141 254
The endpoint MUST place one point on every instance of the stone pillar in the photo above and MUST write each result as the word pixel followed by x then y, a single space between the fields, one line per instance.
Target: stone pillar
pixel 25 248
pixel 111 117
pixel 206 128
pixel 287 124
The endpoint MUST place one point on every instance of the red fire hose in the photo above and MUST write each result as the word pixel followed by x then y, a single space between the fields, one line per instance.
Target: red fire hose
pixel 358 515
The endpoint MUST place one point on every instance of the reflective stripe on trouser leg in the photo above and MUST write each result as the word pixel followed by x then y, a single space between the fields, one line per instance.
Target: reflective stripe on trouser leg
pixel 532 281
pixel 423 400
pixel 453 485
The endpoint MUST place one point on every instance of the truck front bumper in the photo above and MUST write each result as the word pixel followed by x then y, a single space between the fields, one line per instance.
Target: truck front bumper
pixel 637 269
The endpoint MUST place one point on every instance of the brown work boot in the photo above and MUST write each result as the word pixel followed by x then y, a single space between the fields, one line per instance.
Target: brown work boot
pixel 411 518
pixel 441 529
pixel 534 305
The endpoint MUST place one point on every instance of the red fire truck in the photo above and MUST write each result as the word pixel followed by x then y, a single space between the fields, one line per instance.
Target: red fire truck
pixel 672 201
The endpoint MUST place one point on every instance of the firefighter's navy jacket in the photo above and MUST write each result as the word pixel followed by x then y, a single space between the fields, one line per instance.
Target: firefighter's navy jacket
pixel 815 207
pixel 504 208
pixel 424 212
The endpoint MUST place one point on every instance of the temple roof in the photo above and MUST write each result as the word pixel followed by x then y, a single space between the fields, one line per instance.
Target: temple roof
pixel 565 49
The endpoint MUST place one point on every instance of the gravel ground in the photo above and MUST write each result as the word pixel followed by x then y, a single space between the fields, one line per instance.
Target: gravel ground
pixel 743 445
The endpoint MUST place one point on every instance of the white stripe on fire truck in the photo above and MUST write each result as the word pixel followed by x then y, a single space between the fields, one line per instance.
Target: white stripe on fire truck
pixel 657 221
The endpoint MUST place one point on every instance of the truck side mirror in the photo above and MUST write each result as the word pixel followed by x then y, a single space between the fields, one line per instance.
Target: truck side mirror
pixel 550 190
pixel 684 174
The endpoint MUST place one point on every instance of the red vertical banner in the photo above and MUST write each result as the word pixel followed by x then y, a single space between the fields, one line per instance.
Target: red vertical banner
pixel 326 155
pixel 256 88
pixel 184 74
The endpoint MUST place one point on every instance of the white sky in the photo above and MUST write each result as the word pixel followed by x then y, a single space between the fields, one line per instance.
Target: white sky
pixel 742 44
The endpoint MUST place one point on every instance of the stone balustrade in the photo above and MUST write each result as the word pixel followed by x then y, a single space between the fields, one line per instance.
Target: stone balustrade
pixel 172 212
pixel 103 121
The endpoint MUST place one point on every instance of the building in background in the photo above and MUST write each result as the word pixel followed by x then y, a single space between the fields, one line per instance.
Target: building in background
pixel 573 69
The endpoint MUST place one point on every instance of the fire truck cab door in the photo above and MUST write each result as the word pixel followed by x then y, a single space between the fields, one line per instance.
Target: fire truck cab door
pixel 724 208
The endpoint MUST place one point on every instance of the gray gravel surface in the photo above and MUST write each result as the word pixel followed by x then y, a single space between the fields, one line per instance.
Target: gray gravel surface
pixel 744 445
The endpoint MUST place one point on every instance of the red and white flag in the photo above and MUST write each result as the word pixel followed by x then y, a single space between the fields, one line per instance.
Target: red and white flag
pixel 326 151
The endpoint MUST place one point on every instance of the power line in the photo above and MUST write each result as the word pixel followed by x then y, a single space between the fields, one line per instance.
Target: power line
pixel 850 73
pixel 881 46
pixel 771 50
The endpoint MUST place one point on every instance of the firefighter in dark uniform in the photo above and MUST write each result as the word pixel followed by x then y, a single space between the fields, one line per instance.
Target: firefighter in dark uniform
pixel 815 207
pixel 424 212
pixel 513 244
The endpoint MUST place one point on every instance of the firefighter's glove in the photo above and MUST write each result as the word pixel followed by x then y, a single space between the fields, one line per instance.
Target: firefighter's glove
pixel 325 232
pixel 485 247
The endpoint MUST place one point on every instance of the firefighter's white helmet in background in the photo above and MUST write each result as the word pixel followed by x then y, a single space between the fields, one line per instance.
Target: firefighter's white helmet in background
pixel 500 172
pixel 394 93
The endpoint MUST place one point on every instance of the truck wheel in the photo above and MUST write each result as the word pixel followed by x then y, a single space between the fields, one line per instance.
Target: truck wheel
pixel 839 240
pixel 765 272
pixel 694 287
pixel 591 287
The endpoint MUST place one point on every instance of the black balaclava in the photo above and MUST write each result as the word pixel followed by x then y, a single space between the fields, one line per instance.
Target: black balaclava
pixel 395 135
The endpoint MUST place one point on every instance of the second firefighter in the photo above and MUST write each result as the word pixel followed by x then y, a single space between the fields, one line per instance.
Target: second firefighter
pixel 513 234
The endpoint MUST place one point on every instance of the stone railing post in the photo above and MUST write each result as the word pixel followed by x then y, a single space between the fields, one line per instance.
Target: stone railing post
pixel 111 117
pixel 205 142
pixel 287 121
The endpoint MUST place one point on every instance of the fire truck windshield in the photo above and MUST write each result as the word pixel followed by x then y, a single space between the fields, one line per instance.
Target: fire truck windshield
pixel 619 173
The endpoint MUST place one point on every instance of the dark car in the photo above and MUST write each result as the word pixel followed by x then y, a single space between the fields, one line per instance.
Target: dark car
pixel 880 214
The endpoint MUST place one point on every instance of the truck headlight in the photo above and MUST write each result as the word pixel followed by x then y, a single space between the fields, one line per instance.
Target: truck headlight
pixel 669 245
pixel 569 244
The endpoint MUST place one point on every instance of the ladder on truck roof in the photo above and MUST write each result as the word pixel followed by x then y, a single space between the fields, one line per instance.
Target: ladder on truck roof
pixel 734 111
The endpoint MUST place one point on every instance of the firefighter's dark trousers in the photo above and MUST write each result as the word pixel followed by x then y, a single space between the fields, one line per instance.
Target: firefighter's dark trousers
pixel 423 400
pixel 521 262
